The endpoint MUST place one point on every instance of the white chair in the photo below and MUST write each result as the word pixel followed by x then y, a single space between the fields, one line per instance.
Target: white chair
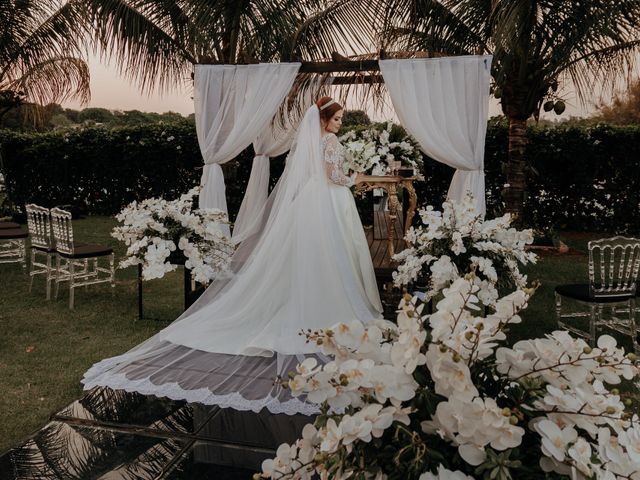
pixel 72 258
pixel 39 224
pixel 13 244
pixel 614 264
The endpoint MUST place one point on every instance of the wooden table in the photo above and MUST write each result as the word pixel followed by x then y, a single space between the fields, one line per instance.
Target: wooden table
pixel 392 184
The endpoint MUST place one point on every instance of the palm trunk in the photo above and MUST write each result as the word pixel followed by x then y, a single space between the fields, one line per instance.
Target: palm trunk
pixel 514 193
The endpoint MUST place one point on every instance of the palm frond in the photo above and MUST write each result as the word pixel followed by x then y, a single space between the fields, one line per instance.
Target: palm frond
pixel 133 34
pixel 610 66
pixel 435 26
pixel 53 32
pixel 345 26
pixel 54 80
pixel 42 52
pixel 534 44
pixel 306 90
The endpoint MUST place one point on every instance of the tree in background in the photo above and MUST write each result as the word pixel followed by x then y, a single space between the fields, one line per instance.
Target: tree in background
pixel 537 46
pixel 54 116
pixel 40 55
pixel 21 117
pixel 95 114
pixel 624 109
pixel 156 43
pixel 355 117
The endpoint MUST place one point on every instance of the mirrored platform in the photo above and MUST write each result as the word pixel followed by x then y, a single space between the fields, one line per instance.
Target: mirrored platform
pixel 114 435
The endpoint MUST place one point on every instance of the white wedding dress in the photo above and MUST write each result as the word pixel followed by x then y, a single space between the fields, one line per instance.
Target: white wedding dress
pixel 308 267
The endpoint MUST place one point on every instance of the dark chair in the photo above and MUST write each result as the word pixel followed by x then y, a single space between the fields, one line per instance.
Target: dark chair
pixel 614 264
pixel 9 225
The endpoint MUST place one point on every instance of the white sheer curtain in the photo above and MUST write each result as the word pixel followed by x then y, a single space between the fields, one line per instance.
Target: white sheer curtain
pixel 443 103
pixel 273 141
pixel 233 104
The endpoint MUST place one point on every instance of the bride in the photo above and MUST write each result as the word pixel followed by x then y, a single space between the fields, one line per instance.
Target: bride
pixel 307 267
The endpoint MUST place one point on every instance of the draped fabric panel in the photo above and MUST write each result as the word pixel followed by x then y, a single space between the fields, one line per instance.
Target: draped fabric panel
pixel 273 141
pixel 443 103
pixel 233 105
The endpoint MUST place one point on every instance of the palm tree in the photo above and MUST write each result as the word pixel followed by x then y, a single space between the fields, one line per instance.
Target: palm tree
pixel 40 54
pixel 156 42
pixel 537 46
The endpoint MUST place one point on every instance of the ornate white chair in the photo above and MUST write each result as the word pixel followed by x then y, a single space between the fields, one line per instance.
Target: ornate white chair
pixel 13 245
pixel 39 224
pixel 614 264
pixel 72 258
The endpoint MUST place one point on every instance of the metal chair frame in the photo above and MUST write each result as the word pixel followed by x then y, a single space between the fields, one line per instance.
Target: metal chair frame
pixel 76 271
pixel 39 224
pixel 14 250
pixel 614 264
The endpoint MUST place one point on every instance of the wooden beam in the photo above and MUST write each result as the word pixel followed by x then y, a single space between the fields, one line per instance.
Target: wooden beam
pixel 340 66
pixel 357 80
pixel 340 63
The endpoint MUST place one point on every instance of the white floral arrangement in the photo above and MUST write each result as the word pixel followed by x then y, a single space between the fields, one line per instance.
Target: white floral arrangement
pixel 373 149
pixel 449 242
pixel 442 396
pixel 436 397
pixel 157 230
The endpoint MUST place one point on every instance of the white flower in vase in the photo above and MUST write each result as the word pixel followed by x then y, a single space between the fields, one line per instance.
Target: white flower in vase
pixel 154 228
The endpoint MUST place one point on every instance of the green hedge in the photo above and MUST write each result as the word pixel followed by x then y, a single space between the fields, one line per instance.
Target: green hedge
pixel 99 170
pixel 583 178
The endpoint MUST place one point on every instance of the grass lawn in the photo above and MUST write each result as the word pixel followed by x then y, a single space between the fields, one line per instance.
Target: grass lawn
pixel 45 348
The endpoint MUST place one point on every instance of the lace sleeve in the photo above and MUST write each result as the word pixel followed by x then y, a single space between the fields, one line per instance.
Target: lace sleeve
pixel 333 160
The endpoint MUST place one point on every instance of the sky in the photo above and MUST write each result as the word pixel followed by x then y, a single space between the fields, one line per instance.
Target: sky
pixel 113 91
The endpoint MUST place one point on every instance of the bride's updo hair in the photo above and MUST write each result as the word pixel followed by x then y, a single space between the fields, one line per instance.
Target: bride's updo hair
pixel 328 112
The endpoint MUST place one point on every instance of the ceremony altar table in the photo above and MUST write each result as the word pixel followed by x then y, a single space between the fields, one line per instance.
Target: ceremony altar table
pixel 392 184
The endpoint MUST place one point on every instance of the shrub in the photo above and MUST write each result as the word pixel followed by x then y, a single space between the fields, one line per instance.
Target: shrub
pixel 580 177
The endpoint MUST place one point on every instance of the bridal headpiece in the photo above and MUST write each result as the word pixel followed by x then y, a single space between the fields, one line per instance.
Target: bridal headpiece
pixel 328 104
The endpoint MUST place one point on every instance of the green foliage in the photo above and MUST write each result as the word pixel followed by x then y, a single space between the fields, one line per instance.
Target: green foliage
pixel 9 99
pixel 34 117
pixel 42 51
pixel 581 177
pixel 352 118
pixel 157 45
pixel 98 115
pixel 60 121
pixel 536 46
pixel 100 170
pixel 624 109
pixel 584 178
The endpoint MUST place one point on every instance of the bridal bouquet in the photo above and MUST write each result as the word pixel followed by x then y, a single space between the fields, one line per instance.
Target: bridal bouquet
pixel 157 231
pixel 448 242
pixel 373 149
pixel 444 396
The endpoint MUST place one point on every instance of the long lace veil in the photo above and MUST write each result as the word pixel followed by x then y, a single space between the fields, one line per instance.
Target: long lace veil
pixel 196 357
pixel 303 164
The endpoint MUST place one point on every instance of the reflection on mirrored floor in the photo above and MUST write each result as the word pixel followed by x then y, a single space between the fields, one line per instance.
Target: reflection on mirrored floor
pixel 118 435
